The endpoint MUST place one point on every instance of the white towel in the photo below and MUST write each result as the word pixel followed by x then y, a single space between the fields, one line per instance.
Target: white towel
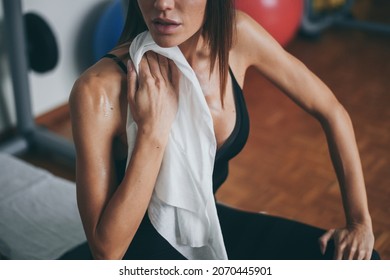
pixel 182 207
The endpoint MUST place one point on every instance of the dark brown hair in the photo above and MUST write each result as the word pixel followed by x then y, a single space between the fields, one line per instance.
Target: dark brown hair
pixel 217 30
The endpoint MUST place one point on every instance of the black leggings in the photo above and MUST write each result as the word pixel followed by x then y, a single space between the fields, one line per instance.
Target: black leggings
pixel 247 235
pixel 256 236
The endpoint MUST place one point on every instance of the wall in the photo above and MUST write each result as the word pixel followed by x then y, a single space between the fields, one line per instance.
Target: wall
pixel 73 23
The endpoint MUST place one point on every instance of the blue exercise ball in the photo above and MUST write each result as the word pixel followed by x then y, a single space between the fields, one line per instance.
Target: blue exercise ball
pixel 108 29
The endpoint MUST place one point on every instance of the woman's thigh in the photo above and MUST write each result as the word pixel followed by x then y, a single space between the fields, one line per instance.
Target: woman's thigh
pixel 258 236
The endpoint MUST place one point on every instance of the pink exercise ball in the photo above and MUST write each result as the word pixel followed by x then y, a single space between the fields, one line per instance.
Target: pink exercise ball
pixel 281 18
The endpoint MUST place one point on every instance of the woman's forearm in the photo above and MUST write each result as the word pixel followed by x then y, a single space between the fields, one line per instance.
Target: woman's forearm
pixel 122 215
pixel 347 164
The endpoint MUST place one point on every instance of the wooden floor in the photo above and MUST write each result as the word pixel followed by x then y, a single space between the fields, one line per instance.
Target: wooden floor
pixel 285 168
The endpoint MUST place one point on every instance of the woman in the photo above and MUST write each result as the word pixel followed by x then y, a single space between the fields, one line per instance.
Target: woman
pixel 220 45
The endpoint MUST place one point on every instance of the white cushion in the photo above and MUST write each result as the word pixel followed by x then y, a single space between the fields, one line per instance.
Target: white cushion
pixel 39 218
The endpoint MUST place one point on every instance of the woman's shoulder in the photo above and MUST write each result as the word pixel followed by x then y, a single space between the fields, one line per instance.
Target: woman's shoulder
pixel 102 78
pixel 246 47
pixel 248 30
pixel 252 44
pixel 100 93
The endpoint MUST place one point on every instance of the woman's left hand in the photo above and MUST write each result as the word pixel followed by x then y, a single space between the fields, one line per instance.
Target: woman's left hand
pixel 355 242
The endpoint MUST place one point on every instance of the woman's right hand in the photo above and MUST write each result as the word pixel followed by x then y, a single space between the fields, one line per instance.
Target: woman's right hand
pixel 153 98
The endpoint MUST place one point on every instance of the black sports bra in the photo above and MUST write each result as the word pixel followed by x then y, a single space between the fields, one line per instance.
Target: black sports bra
pixel 232 145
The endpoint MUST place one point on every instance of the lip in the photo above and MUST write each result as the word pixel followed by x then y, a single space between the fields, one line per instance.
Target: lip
pixel 165 25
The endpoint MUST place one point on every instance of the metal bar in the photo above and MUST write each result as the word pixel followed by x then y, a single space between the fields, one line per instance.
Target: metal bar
pixel 18 60
pixel 314 27
pixel 31 135
pixel 16 146
pixel 339 18
pixel 58 146
pixel 365 25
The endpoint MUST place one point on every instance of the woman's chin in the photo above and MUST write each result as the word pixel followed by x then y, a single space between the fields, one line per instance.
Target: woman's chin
pixel 165 44
pixel 166 41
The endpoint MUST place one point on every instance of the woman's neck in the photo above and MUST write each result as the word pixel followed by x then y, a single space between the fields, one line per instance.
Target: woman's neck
pixel 195 49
